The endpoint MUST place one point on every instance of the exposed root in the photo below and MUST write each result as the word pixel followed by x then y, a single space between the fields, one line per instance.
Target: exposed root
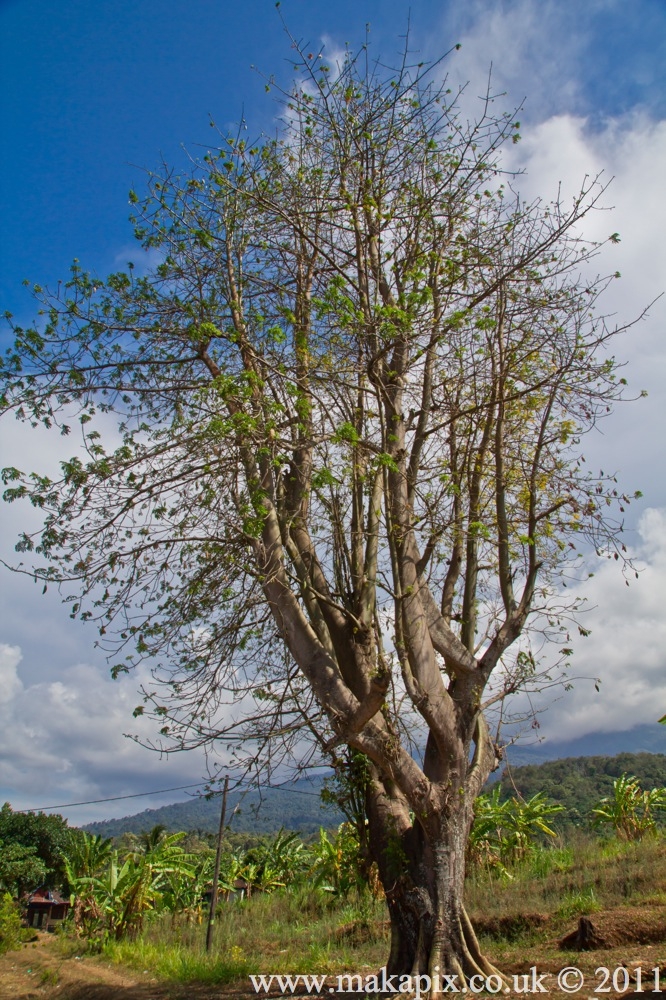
pixel 456 968
pixel 472 944
pixel 441 950
pixel 465 962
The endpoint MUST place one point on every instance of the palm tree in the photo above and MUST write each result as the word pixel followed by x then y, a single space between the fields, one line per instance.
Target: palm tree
pixel 149 839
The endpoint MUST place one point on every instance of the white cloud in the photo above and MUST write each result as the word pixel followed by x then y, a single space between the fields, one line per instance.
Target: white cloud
pixel 10 683
pixel 626 648
pixel 551 56
pixel 515 39
pixel 62 740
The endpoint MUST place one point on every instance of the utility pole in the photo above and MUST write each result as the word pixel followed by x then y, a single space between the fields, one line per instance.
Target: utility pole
pixel 218 857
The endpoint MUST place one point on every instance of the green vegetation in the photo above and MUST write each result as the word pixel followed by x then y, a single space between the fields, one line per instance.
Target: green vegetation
pixel 630 810
pixel 298 907
pixel 508 831
pixel 45 838
pixel 526 905
pixel 20 868
pixel 10 924
pixel 580 875
pixel 297 932
pixel 288 906
pixel 578 783
pixel 114 890
pixel 111 896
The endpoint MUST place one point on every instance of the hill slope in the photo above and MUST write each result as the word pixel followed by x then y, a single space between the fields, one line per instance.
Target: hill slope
pixel 578 783
pixel 298 807
pixel 291 807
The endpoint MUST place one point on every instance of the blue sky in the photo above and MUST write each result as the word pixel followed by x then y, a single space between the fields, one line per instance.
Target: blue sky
pixel 93 93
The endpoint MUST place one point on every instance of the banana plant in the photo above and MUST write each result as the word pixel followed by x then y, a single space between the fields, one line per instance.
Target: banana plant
pixel 112 897
pixel 141 879
pixel 486 839
pixel 335 868
pixel 86 860
pixel 183 890
pixel 630 810
pixel 505 832
pixel 277 864
pixel 528 819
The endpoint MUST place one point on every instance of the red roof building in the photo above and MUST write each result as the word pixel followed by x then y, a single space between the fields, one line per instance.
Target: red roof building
pixel 44 906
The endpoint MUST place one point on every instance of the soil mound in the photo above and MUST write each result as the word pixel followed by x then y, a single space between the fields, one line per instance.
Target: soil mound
pixel 614 928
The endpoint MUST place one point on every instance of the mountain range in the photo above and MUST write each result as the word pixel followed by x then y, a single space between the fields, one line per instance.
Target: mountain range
pixel 298 806
pixel 640 739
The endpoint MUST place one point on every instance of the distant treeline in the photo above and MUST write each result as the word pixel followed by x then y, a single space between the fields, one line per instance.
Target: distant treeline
pixel 289 808
pixel 578 783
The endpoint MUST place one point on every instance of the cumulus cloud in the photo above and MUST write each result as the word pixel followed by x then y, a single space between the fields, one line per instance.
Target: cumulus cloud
pixel 626 648
pixel 61 740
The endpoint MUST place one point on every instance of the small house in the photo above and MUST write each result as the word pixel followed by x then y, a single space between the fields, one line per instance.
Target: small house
pixel 241 890
pixel 45 906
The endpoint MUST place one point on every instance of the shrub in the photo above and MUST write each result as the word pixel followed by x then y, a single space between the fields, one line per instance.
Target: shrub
pixel 10 924
pixel 507 832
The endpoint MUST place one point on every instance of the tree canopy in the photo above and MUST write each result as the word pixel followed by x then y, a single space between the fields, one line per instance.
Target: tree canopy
pixel 347 478
pixel 33 847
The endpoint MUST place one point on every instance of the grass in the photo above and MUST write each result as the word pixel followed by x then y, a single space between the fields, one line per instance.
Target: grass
pixel 49 977
pixel 577 903
pixel 297 932
pixel 582 876
pixel 304 932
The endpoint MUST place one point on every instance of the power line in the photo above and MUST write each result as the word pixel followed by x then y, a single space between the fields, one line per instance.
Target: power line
pixel 112 798
pixel 158 791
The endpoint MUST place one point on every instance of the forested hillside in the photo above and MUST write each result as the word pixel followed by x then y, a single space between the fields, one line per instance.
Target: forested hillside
pixel 576 782
pixel 291 808
pixel 579 782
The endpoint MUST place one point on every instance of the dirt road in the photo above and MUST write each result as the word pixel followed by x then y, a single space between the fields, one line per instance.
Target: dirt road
pixel 39 972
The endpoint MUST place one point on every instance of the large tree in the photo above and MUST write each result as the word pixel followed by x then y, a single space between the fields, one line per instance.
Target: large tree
pixel 46 836
pixel 347 478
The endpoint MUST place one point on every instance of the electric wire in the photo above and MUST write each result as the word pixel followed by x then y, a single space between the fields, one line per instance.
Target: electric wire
pixel 158 791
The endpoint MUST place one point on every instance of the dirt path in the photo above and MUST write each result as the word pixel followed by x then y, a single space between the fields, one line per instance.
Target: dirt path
pixel 38 971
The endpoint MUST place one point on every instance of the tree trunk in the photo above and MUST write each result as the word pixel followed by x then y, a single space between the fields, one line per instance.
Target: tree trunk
pixel 423 879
